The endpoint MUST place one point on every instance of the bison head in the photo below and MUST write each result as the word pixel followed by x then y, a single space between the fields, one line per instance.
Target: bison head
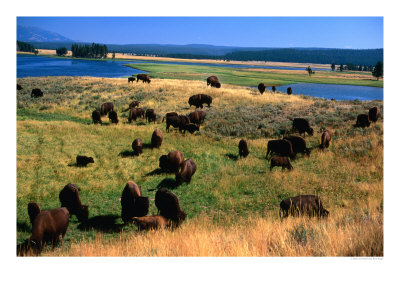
pixel 310 131
pixel 83 213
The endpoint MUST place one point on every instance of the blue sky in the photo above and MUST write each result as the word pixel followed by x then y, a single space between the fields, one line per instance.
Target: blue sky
pixel 329 32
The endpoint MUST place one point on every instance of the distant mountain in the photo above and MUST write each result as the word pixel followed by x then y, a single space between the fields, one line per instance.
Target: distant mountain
pixel 35 34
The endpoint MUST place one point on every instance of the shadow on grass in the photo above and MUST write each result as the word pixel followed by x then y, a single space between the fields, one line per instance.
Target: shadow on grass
pixel 104 223
pixel 168 183
pixel 126 153
pixel 158 171
pixel 232 156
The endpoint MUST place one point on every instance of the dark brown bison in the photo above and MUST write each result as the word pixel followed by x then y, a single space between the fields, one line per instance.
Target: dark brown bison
pixel 302 126
pixel 82 160
pixel 304 204
pixel 243 148
pixel 156 138
pixel 197 117
pixel 69 198
pixel 112 115
pixel 143 77
pixel 280 147
pixel 47 226
pixel 177 122
pixel 273 88
pixel 362 121
pixel 134 104
pixel 169 114
pixel 187 171
pixel 36 93
pixel 151 115
pixel 151 222
pixel 191 128
pixel 137 146
pixel 298 145
pixel 134 113
pixel 373 114
pixel 33 210
pixel 106 108
pixel 132 202
pixel 168 206
pixel 280 161
pixel 261 88
pixel 325 139
pixel 213 82
pixel 19 87
pixel 96 117
pixel 289 91
pixel 131 79
pixel 199 99
pixel 172 162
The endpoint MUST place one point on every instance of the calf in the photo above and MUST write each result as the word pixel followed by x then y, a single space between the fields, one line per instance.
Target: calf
pixel 82 161
pixel 281 161
pixel 303 204
pixel 191 128
pixel 151 222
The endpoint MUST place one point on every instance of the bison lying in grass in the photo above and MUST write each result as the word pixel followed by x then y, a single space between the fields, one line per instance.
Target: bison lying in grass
pixel 310 205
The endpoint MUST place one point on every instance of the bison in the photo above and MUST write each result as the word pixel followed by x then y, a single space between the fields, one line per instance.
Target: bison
pixel 171 162
pixel 213 82
pixel 19 87
pixel 106 108
pixel 69 198
pixel 112 115
pixel 83 161
pixel 362 121
pixel 137 146
pixel 168 206
pixel 156 138
pixel 36 93
pixel 151 222
pixel 33 210
pixel 199 99
pixel 151 115
pixel 281 161
pixel 177 122
pixel 134 113
pixel 273 88
pixel 289 91
pixel 302 126
pixel 298 145
pixel 261 88
pixel 131 79
pixel 143 77
pixel 303 204
pixel 96 117
pixel 243 148
pixel 197 117
pixel 325 139
pixel 132 202
pixel 187 171
pixel 169 114
pixel 280 147
pixel 191 128
pixel 373 114
pixel 134 104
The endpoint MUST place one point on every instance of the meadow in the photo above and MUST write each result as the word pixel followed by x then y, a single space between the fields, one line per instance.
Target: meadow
pixel 232 203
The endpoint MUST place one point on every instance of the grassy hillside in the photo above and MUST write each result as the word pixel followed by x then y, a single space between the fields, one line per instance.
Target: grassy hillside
pixel 232 204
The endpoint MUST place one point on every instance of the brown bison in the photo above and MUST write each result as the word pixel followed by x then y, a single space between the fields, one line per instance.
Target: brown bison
pixel 134 113
pixel 33 210
pixel 69 198
pixel 281 161
pixel 191 128
pixel 243 148
pixel 112 115
pixel 96 117
pixel 132 202
pixel 213 82
pixel 362 121
pixel 143 77
pixel 273 88
pixel 373 114
pixel 156 138
pixel 197 117
pixel 36 93
pixel 137 146
pixel 151 222
pixel 199 99
pixel 280 147
pixel 177 122
pixel 298 145
pixel 325 139
pixel 168 206
pixel 289 91
pixel 187 171
pixel 304 204
pixel 106 108
pixel 83 161
pixel 172 162
pixel 169 114
pixel 19 87
pixel 131 79
pixel 134 104
pixel 151 115
pixel 302 126
pixel 261 88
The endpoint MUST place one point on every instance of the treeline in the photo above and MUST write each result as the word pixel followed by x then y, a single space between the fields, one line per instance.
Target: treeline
pixel 86 51
pixel 193 56
pixel 25 47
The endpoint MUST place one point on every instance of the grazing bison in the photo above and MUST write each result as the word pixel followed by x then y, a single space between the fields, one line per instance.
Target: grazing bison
pixel 169 114
pixel 199 99
pixel 168 206
pixel 134 104
pixel 298 145
pixel 197 117
pixel 280 147
pixel 132 202
pixel 302 126
pixel 137 146
pixel 82 160
pixel 47 227
pixel 131 79
pixel 19 87
pixel 36 93
pixel 186 173
pixel 151 222
pixel 171 162
pixel 177 122
pixel 112 115
pixel 213 81
pixel 373 114
pixel 106 108
pixel 156 138
pixel 304 204
pixel 280 161
pixel 134 113
pixel 289 91
pixel 243 148
pixel 261 88
pixel 33 210
pixel 325 139
pixel 143 77
pixel 96 117
pixel 362 121
pixel 151 115
pixel 273 88
pixel 191 128
pixel 69 198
